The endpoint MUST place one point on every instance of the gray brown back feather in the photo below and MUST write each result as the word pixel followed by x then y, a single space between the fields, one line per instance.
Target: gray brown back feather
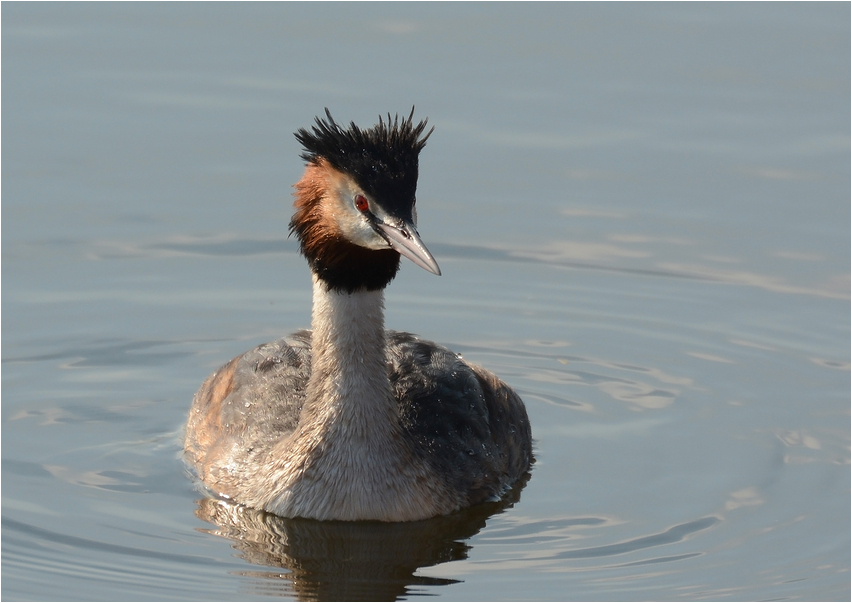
pixel 470 427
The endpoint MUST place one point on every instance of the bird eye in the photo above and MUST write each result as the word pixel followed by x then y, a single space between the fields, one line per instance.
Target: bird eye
pixel 361 203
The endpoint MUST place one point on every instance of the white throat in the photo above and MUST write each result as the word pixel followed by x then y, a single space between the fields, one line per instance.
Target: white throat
pixel 349 367
pixel 349 459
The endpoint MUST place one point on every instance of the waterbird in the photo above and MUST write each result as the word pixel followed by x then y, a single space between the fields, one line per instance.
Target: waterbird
pixel 349 421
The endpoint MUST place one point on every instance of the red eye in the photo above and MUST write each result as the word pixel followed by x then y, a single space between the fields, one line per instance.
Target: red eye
pixel 361 203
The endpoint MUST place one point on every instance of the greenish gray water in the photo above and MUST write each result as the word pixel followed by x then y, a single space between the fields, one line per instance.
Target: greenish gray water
pixel 642 214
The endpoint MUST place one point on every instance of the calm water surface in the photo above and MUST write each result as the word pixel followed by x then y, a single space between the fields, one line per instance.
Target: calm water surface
pixel 642 213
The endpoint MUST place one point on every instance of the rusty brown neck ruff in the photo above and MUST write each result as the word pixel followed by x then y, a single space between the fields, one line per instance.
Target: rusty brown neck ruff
pixel 341 265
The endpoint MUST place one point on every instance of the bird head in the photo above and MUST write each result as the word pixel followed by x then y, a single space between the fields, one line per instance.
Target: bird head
pixel 355 204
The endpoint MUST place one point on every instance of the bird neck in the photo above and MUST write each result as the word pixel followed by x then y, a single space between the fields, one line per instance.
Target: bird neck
pixel 349 458
pixel 349 386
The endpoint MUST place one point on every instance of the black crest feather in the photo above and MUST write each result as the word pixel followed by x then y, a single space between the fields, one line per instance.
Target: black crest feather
pixel 383 159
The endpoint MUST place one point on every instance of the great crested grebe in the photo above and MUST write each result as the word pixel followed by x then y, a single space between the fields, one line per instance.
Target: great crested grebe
pixel 349 421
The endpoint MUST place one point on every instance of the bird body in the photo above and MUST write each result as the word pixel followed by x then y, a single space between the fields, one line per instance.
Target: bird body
pixel 350 421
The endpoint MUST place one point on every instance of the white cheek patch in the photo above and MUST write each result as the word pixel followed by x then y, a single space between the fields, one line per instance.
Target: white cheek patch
pixel 353 225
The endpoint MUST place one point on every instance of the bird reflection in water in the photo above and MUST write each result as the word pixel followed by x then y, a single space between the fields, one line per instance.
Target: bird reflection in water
pixel 347 560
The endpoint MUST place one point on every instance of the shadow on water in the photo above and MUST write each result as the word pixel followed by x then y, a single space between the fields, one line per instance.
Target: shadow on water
pixel 343 560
